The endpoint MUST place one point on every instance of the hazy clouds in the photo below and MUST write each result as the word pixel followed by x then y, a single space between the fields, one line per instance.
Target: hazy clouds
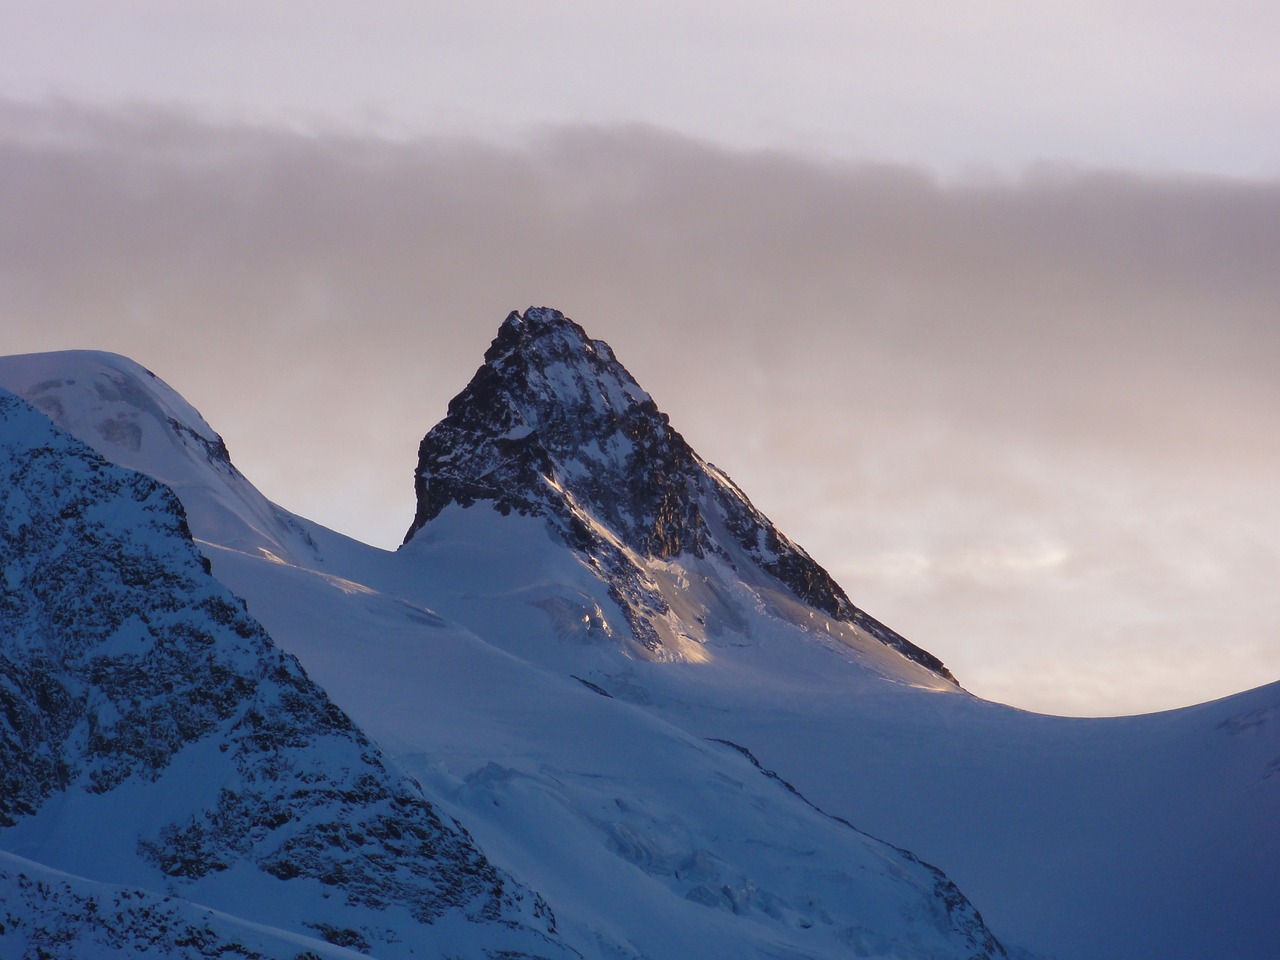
pixel 1032 424
pixel 1169 85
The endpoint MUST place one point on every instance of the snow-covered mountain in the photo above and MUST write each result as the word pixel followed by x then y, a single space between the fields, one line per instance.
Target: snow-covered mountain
pixel 553 426
pixel 158 747
pixel 663 728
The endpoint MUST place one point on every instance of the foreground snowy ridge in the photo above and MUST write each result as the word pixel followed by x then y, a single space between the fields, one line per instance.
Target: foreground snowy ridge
pixel 132 679
pixel 593 654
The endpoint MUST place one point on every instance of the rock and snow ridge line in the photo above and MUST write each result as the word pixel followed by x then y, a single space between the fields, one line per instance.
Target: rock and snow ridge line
pixel 552 425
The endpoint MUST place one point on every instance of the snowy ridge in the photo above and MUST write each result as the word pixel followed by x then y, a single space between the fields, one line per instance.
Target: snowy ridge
pixel 156 734
pixel 552 425
pixel 134 419
pixel 48 913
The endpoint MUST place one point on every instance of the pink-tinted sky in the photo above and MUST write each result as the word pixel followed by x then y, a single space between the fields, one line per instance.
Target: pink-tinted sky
pixel 989 327
pixel 992 84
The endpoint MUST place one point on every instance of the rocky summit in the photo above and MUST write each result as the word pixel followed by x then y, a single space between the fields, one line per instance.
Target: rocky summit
pixel 553 425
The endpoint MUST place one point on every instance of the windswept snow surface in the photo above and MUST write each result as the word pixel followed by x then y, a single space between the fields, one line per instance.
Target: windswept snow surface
pixel 701 805
pixel 136 420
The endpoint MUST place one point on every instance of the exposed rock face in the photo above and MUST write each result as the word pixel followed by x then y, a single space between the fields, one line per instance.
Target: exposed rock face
pixel 552 425
pixel 125 664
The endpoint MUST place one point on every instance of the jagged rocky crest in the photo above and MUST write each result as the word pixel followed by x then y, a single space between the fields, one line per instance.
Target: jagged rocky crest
pixel 552 425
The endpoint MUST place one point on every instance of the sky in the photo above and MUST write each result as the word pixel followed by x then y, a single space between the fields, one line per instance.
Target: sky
pixel 978 304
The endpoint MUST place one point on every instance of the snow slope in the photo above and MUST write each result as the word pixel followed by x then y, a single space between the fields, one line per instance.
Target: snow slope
pixel 1142 837
pixel 646 841
pixel 698 802
pixel 157 741
pixel 135 420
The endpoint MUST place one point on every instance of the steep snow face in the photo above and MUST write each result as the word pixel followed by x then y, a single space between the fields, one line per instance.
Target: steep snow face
pixel 134 419
pixel 648 841
pixel 553 426
pixel 154 736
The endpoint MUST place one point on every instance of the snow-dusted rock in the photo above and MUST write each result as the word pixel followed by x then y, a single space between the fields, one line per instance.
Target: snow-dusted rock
pixel 552 425
pixel 153 735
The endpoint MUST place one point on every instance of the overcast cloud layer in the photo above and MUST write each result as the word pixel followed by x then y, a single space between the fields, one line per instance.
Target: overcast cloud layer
pixel 1030 424
pixel 1140 84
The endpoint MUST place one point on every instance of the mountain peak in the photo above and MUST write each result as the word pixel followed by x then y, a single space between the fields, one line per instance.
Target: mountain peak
pixel 552 415
pixel 550 367
pixel 552 425
pixel 536 323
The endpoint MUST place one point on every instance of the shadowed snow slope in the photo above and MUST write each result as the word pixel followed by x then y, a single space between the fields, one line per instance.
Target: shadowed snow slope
pixel 156 740
pixel 606 667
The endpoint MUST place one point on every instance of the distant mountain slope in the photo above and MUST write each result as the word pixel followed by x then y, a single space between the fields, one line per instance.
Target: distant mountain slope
pixel 154 736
